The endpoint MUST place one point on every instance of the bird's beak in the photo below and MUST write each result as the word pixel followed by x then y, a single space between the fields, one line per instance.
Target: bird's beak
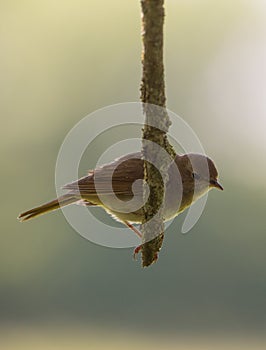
pixel 215 183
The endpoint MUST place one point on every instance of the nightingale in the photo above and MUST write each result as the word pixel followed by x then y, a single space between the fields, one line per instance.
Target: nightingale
pixel 115 188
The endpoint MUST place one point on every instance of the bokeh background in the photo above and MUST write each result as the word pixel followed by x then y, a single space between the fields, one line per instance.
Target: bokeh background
pixel 61 60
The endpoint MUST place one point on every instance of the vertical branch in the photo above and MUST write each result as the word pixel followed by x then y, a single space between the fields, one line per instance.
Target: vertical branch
pixel 156 125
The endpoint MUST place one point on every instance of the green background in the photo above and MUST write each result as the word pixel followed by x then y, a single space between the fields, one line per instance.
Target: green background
pixel 61 60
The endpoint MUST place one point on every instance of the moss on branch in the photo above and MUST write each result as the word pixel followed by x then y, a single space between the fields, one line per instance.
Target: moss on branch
pixel 156 125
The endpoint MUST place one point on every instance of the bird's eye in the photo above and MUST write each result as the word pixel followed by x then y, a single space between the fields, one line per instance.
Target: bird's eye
pixel 195 176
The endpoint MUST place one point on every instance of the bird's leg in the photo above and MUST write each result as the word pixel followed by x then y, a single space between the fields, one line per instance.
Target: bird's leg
pixel 133 228
pixel 139 234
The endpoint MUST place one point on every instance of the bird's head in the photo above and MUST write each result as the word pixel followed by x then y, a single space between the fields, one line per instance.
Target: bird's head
pixel 198 172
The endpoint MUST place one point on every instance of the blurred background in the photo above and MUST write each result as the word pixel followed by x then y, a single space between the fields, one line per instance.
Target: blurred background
pixel 61 60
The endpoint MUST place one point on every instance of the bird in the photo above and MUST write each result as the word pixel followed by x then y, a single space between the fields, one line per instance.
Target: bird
pixel 114 187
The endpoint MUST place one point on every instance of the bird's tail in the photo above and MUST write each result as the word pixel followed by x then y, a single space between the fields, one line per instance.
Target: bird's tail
pixel 47 207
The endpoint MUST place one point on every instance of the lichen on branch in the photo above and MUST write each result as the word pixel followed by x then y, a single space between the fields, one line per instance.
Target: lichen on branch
pixel 155 128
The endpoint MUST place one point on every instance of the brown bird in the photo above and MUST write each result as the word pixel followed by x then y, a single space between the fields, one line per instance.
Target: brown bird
pixel 185 185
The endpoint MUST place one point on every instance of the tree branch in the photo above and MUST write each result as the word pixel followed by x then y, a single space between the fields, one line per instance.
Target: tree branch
pixel 156 125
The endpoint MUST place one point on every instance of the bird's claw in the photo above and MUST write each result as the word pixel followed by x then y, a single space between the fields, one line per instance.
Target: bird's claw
pixel 136 251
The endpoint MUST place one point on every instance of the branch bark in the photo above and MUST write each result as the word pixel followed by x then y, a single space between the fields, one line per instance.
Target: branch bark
pixel 156 125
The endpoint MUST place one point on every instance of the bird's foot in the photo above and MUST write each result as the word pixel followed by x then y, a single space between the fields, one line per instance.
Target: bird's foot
pixel 136 251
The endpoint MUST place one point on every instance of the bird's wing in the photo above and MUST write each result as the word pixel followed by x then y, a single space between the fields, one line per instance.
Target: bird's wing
pixel 117 176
